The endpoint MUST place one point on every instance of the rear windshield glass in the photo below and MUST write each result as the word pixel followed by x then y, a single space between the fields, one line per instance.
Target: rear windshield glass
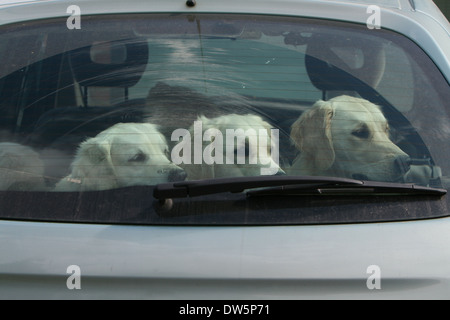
pixel 94 120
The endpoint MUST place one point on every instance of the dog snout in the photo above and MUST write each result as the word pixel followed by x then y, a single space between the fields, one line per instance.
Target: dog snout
pixel 177 175
pixel 402 164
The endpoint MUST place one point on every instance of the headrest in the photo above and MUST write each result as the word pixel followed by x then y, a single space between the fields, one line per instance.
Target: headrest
pixel 110 64
pixel 332 62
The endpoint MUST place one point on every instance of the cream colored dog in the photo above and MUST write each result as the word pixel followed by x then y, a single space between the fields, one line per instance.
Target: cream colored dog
pixel 228 146
pixel 21 168
pixel 126 154
pixel 347 137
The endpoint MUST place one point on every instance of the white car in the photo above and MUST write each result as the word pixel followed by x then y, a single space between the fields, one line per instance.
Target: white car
pixel 245 150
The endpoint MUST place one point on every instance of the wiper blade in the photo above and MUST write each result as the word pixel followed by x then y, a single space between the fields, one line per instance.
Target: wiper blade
pixel 184 189
pixel 367 187
pixel 287 185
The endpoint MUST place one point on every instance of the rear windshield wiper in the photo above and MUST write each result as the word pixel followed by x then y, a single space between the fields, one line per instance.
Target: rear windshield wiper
pixel 286 185
pixel 367 187
pixel 193 188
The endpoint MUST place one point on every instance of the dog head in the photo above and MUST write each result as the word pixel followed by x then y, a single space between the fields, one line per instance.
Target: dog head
pixel 347 137
pixel 233 145
pixel 126 154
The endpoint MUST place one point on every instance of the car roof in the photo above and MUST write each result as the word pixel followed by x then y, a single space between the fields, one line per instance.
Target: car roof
pixel 419 20
pixel 294 7
pixel 381 3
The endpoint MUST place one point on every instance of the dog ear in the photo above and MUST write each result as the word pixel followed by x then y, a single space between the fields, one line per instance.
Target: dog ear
pixel 202 170
pixel 311 134
pixel 198 171
pixel 96 152
pixel 93 164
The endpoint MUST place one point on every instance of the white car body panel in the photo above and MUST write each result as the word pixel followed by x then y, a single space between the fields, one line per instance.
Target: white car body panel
pixel 287 262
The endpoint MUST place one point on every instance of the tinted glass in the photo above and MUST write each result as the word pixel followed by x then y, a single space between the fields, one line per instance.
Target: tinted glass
pixel 94 118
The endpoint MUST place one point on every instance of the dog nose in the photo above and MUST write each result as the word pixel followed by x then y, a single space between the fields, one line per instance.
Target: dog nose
pixel 402 164
pixel 177 175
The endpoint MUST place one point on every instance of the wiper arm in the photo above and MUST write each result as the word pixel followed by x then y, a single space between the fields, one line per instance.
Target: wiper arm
pixel 184 189
pixel 286 185
pixel 367 187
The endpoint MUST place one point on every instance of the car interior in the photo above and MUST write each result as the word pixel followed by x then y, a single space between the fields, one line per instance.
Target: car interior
pixel 48 104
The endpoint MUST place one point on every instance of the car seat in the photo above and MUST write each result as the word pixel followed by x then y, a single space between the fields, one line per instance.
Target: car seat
pixel 58 132
pixel 79 122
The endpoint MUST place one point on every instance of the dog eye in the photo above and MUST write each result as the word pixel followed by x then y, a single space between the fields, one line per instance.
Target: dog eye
pixel 362 132
pixel 138 157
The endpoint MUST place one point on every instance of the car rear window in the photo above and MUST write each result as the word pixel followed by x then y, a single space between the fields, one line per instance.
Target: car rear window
pixel 97 121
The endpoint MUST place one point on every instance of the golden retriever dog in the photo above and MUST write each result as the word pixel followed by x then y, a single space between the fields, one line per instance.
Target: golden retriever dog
pixel 21 168
pixel 126 154
pixel 347 137
pixel 230 145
